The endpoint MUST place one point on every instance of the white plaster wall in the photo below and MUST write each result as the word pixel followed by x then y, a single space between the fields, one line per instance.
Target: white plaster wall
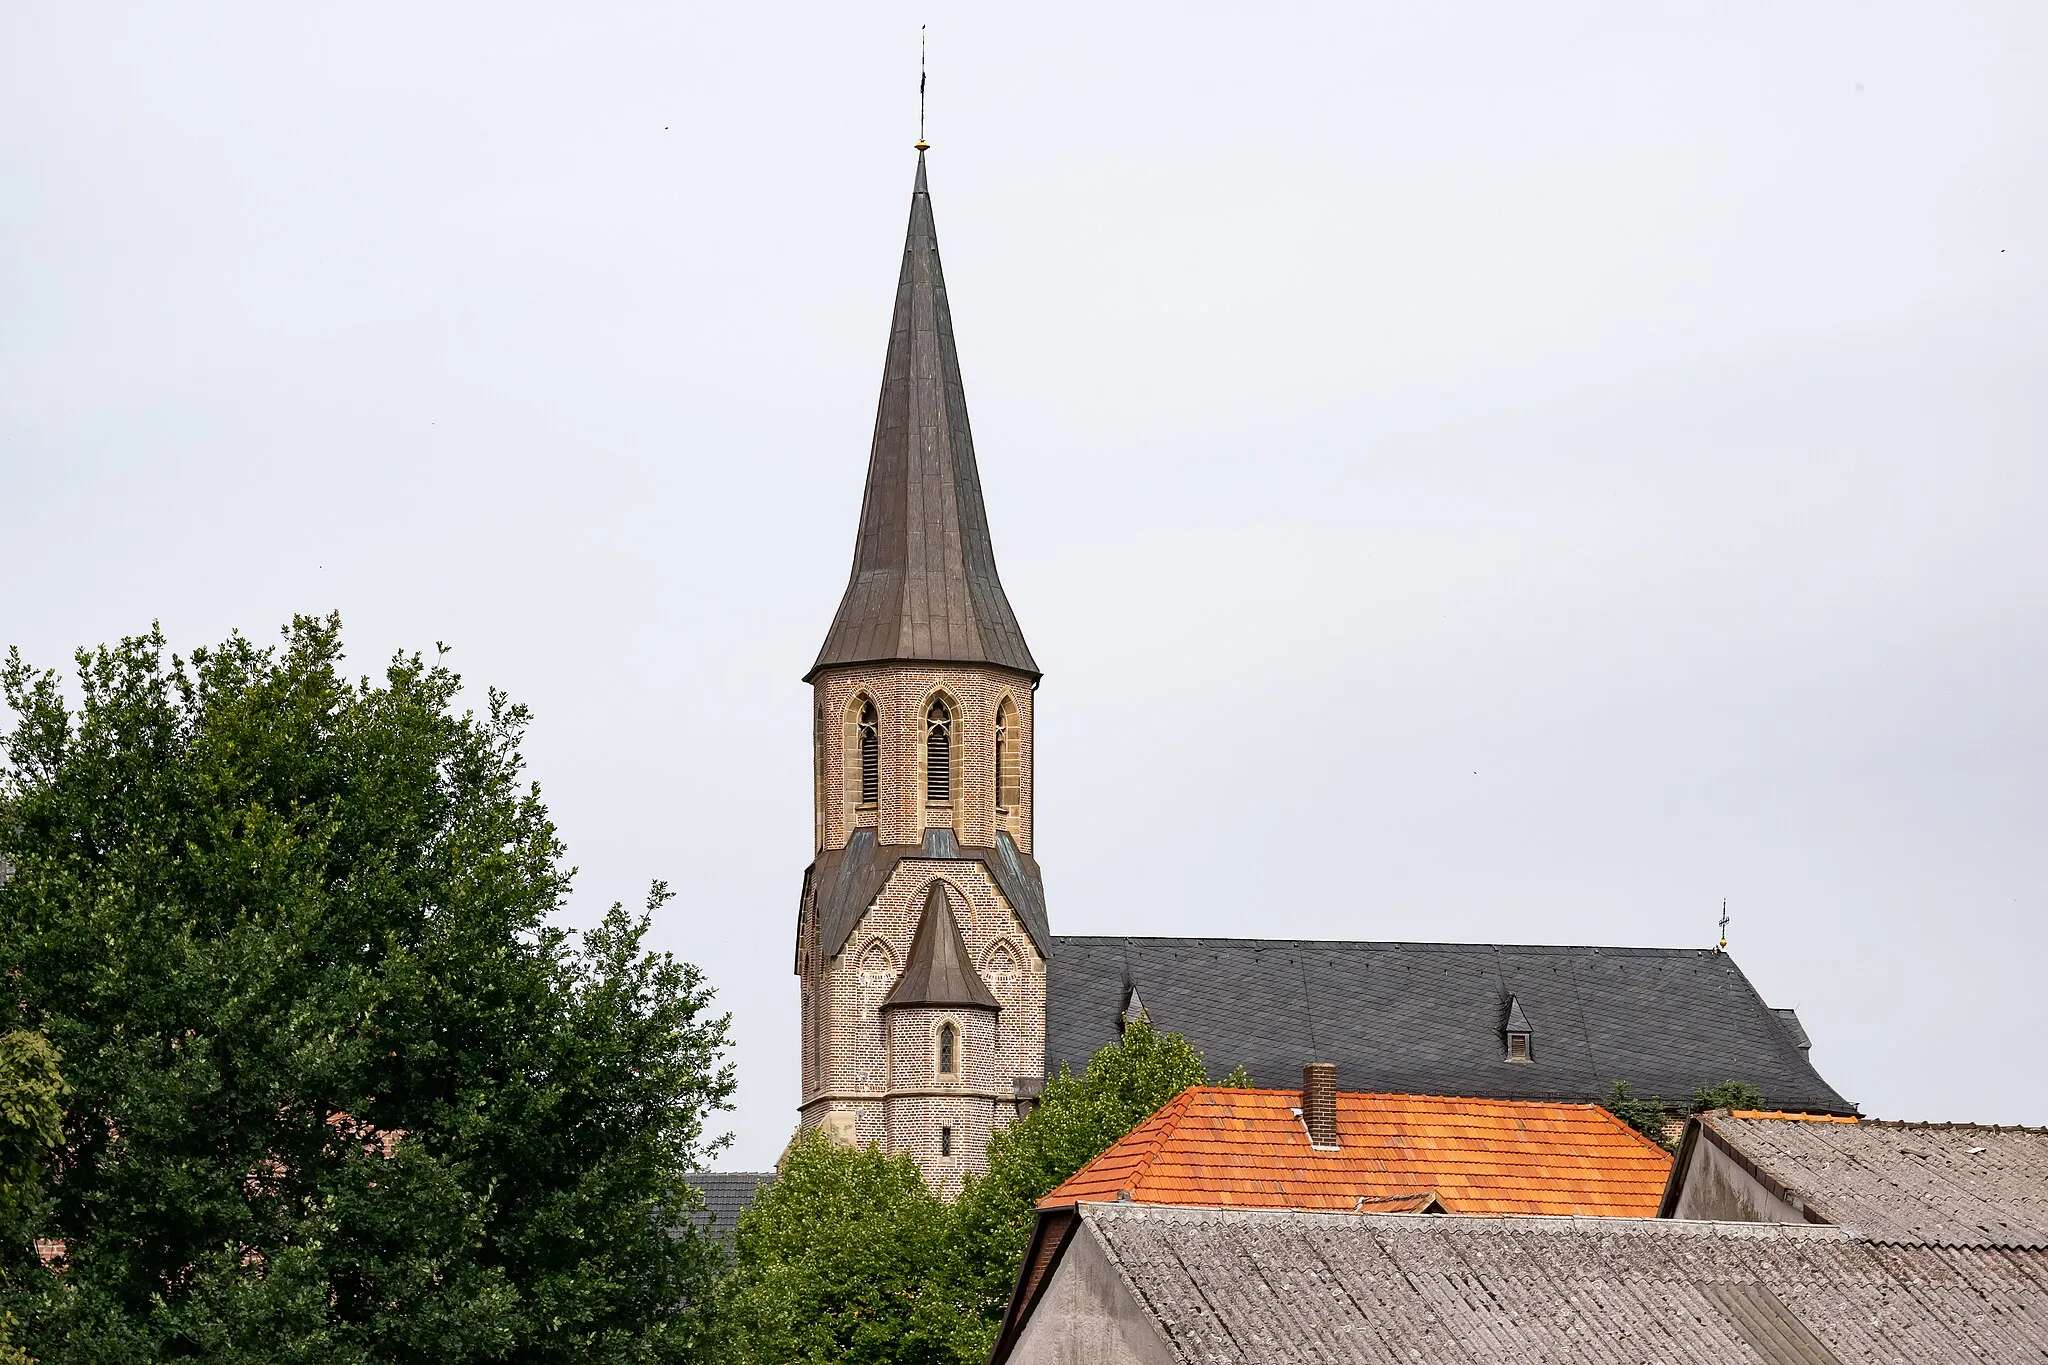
pixel 1716 1188
pixel 1088 1316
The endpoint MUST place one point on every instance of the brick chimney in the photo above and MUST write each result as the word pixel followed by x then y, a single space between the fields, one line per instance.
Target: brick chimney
pixel 1319 1103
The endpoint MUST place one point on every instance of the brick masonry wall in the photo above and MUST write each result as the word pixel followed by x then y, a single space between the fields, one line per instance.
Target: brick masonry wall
pixel 901 693
pixel 880 1066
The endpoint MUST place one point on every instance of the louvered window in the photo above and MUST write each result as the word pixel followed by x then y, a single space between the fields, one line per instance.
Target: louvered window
pixel 938 752
pixel 870 756
pixel 1007 793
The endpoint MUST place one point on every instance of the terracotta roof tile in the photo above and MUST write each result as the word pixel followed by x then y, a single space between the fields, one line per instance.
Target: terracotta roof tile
pixel 1219 1146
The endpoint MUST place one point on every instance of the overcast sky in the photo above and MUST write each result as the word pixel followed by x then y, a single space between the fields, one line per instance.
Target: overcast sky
pixel 1490 472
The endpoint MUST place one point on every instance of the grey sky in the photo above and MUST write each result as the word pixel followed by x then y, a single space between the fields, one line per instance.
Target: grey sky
pixel 1489 472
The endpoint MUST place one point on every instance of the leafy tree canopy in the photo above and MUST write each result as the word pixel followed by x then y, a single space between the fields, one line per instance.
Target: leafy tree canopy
pixel 1077 1119
pixel 1653 1119
pixel 340 1087
pixel 1727 1095
pixel 31 1120
pixel 31 1124
pixel 849 1257
pixel 842 1259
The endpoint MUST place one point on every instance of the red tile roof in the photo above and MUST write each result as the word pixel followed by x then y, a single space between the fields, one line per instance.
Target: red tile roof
pixel 1221 1147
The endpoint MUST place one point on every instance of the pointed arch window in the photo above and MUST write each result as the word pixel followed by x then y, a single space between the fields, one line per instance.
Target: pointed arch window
pixel 949 1050
pixel 938 751
pixel 1008 794
pixel 867 735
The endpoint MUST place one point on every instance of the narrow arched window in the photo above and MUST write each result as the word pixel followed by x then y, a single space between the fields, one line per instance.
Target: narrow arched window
pixel 949 1047
pixel 1008 795
pixel 870 755
pixel 938 751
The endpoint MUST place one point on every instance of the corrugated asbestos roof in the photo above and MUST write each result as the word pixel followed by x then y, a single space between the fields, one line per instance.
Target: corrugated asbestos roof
pixel 924 582
pixel 726 1193
pixel 939 972
pixel 1946 1184
pixel 1216 1146
pixel 1426 1018
pixel 844 882
pixel 1306 1288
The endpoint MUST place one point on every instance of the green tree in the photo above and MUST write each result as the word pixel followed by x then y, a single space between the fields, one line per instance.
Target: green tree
pixel 1652 1118
pixel 341 1088
pixel 31 1124
pixel 842 1259
pixel 1647 1117
pixel 1727 1095
pixel 31 1120
pixel 1077 1119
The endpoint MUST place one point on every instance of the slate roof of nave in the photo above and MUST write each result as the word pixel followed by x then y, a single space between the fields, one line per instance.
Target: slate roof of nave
pixel 1429 1018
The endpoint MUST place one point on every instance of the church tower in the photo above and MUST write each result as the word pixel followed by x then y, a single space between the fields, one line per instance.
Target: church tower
pixel 921 936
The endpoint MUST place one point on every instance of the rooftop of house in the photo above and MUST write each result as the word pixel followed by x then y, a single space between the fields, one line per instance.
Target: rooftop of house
pixel 1943 1184
pixel 1256 1285
pixel 1215 1145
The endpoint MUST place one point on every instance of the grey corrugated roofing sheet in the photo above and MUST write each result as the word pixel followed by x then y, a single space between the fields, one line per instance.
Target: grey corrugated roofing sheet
pixel 1421 1289
pixel 939 971
pixel 924 583
pixel 1425 1018
pixel 844 882
pixel 1948 1184
pixel 726 1193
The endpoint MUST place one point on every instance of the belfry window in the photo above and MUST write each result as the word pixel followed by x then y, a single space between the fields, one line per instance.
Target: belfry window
pixel 870 755
pixel 1007 788
pixel 938 751
pixel 949 1050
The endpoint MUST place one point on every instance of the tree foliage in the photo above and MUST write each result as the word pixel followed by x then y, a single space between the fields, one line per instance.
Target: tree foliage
pixel 341 1088
pixel 31 1120
pixel 31 1124
pixel 1076 1120
pixel 1653 1119
pixel 1727 1095
pixel 849 1257
pixel 843 1258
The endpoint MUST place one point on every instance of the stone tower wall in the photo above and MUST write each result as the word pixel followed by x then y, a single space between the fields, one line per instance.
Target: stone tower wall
pixel 901 694
pixel 868 1074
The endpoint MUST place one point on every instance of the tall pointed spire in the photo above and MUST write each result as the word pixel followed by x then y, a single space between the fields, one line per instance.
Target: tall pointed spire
pixel 924 582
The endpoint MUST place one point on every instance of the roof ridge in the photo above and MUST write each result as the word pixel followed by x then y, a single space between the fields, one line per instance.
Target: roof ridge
pixel 1396 944
pixel 1167 1119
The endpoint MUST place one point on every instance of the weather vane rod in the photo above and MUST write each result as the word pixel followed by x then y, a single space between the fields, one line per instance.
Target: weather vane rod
pixel 921 143
pixel 1724 926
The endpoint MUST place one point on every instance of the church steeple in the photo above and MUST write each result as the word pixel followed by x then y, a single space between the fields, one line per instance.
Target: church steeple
pixel 924 584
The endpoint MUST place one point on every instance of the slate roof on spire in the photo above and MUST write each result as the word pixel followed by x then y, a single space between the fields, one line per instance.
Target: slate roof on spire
pixel 924 582
pixel 939 971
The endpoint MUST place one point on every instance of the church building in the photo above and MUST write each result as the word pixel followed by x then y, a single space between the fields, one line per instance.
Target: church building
pixel 936 999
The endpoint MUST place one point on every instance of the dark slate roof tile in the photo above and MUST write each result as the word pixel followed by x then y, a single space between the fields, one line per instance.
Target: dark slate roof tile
pixel 844 882
pixel 1425 1018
